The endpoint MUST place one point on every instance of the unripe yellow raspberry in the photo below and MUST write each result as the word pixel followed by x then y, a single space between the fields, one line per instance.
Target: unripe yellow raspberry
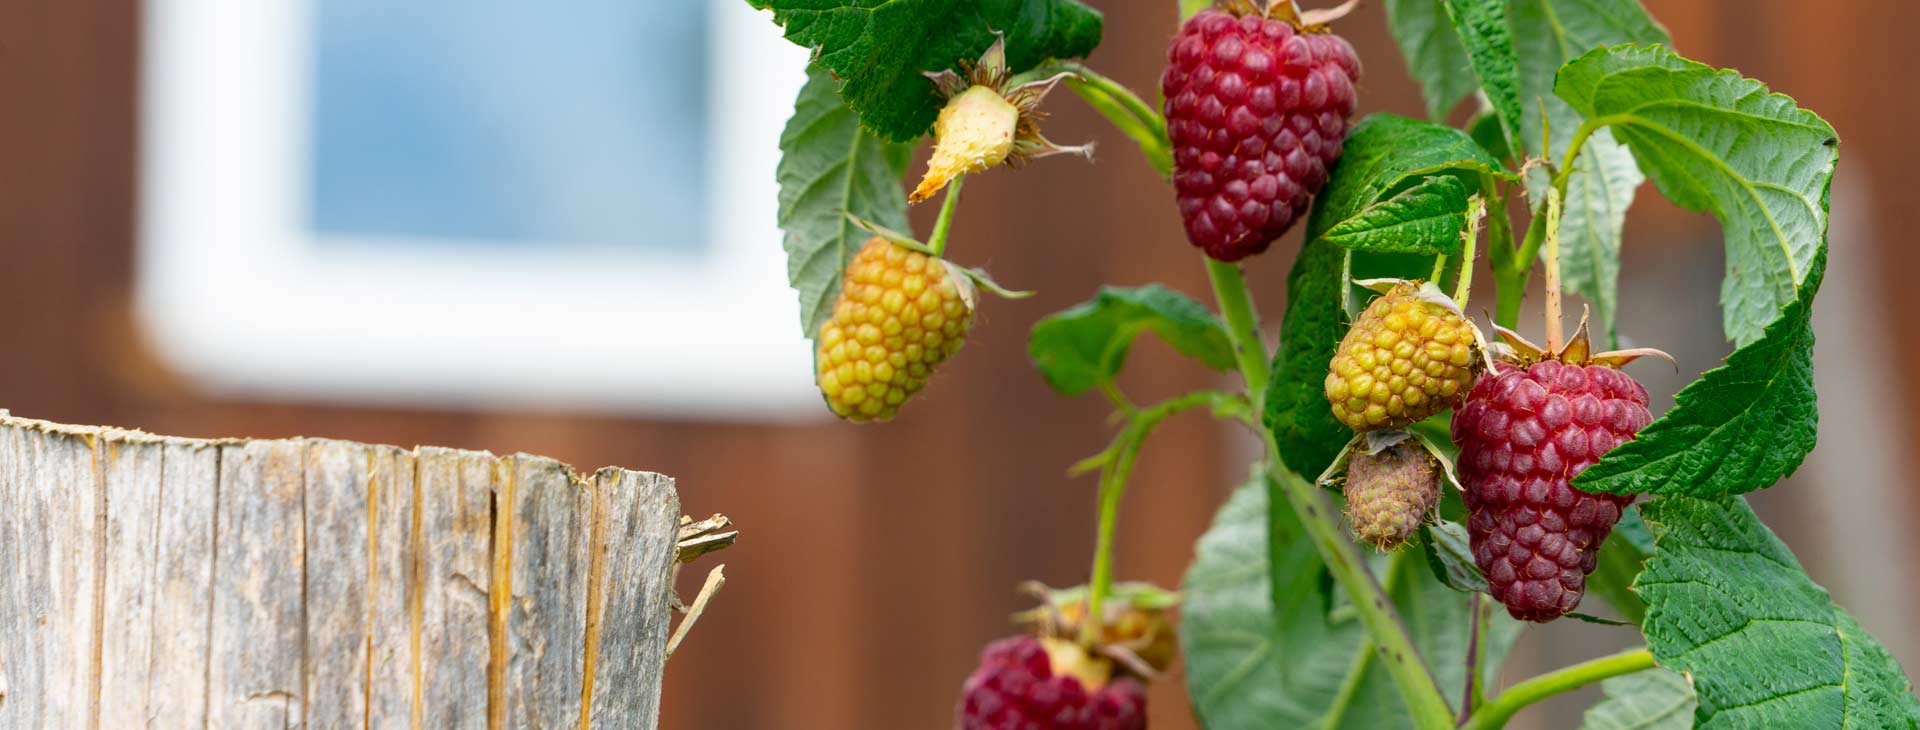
pixel 1405 358
pixel 900 314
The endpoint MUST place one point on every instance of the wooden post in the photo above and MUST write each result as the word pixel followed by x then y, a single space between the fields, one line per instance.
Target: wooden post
pixel 148 581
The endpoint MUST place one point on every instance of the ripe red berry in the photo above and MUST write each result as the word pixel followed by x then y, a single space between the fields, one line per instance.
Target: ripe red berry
pixel 1019 686
pixel 1257 112
pixel 1523 435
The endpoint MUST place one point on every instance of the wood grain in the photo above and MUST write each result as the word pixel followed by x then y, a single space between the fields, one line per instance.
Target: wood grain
pixel 159 582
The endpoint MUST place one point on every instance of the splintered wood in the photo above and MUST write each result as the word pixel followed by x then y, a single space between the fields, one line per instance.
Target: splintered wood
pixel 159 582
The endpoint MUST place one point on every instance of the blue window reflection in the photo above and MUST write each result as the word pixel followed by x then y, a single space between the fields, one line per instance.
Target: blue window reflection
pixel 512 122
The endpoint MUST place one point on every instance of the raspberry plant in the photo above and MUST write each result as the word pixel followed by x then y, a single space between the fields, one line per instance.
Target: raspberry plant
pixel 1565 486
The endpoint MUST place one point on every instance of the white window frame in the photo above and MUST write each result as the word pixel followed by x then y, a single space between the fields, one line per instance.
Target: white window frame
pixel 233 290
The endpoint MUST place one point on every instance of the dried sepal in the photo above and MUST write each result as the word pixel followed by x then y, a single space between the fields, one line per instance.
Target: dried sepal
pixel 1577 351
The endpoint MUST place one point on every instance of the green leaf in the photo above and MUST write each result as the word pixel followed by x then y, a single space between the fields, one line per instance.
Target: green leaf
pixel 1547 34
pixel 1449 554
pixel 880 47
pixel 1424 219
pixel 1482 26
pixel 828 164
pixel 1765 647
pixel 1621 559
pixel 1255 665
pixel 1740 427
pixel 1716 142
pixel 1433 53
pixel 1078 348
pixel 1655 699
pixel 1384 155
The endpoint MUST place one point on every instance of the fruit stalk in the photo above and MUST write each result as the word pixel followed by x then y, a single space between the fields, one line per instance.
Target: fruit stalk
pixel 1555 337
pixel 937 243
pixel 1421 693
pixel 1496 713
pixel 1512 278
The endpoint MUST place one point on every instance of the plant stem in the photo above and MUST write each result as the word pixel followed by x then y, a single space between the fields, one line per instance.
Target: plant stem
pixel 1236 307
pixel 1472 696
pixel 1350 686
pixel 1552 254
pixel 1425 704
pixel 1113 485
pixel 937 243
pixel 1126 110
pixel 1469 251
pixel 1496 713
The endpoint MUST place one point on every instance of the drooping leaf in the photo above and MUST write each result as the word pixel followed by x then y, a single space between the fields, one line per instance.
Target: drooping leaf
pixel 1713 141
pixel 1654 699
pixel 1424 219
pixel 1621 559
pixel 1729 606
pixel 1449 555
pixel 1252 664
pixel 1547 34
pixel 1384 155
pixel 1483 31
pixel 880 47
pixel 1078 348
pixel 1740 427
pixel 1433 53
pixel 828 164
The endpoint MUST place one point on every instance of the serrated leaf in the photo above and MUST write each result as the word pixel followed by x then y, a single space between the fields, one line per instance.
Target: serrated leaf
pixel 880 47
pixel 1449 554
pixel 1740 427
pixel 1483 31
pixel 1654 699
pixel 1547 34
pixel 1713 141
pixel 1433 54
pixel 1384 155
pixel 1252 664
pixel 828 165
pixel 1765 647
pixel 1620 561
pixel 1424 219
pixel 1078 348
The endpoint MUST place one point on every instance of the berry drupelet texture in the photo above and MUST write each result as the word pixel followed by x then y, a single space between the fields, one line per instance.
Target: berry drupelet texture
pixel 1390 494
pixel 1404 358
pixel 1524 434
pixel 1016 688
pixel 900 314
pixel 1257 111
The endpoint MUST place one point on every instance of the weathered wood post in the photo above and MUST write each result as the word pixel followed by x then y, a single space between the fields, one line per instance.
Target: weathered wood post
pixel 148 581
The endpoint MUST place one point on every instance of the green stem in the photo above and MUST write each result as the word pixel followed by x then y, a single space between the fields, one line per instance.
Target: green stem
pixel 1113 483
pixel 1512 276
pixel 1469 251
pixel 1243 329
pixel 1496 713
pixel 1126 110
pixel 1425 703
pixel 1350 686
pixel 937 243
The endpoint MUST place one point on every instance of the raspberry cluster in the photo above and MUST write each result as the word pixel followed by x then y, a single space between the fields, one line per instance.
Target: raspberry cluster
pixel 1257 112
pixel 900 314
pixel 1016 688
pixel 1404 358
pixel 1524 434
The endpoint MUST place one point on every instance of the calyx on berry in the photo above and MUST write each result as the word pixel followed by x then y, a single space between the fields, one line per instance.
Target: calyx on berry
pixel 1514 349
pixel 986 121
pixel 1136 637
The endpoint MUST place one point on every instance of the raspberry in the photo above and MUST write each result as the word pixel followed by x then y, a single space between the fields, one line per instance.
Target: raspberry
pixel 1390 493
pixel 1406 357
pixel 900 314
pixel 1024 682
pixel 1523 435
pixel 1257 112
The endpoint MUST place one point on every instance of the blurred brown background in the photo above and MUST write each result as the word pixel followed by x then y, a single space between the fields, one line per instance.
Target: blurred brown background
pixel 875 561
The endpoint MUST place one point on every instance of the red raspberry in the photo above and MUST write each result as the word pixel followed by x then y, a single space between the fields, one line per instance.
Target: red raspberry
pixel 1257 111
pixel 1016 688
pixel 1523 435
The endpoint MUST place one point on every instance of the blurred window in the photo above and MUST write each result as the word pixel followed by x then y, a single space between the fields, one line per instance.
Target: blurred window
pixel 492 203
